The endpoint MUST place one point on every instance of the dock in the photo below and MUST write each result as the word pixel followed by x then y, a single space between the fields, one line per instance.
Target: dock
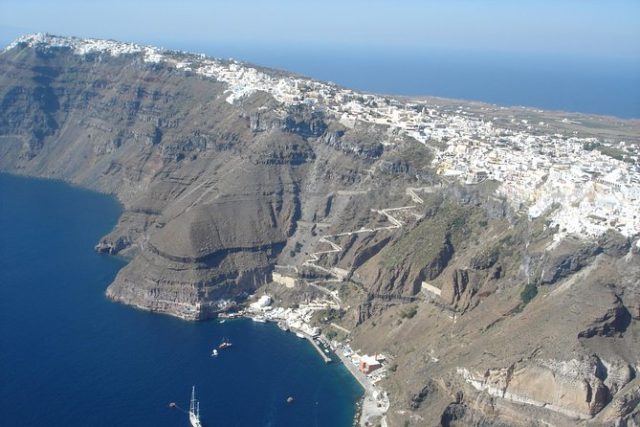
pixel 313 342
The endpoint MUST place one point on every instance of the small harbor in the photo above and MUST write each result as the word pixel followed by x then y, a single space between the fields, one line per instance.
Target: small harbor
pixel 366 370
pixel 145 360
pixel 317 346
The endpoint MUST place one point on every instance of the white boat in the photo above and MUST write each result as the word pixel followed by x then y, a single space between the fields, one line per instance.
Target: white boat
pixel 225 344
pixel 259 319
pixel 194 410
pixel 214 353
pixel 299 335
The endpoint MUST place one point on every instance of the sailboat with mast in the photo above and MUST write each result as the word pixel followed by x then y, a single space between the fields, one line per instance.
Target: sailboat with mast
pixel 194 409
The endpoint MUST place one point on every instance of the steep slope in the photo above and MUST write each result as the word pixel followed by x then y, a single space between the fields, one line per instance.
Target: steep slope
pixel 210 192
pixel 498 290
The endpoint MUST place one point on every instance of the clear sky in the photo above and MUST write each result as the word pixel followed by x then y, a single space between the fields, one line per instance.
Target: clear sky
pixel 607 28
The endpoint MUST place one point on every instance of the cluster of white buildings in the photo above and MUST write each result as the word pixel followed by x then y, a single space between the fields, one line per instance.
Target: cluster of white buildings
pixel 298 318
pixel 584 191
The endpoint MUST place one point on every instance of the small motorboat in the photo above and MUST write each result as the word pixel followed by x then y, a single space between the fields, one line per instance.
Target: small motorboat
pixel 225 344
pixel 214 352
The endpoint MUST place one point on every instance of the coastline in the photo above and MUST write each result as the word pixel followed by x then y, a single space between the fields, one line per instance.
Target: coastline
pixel 372 406
pixel 368 404
pixel 368 411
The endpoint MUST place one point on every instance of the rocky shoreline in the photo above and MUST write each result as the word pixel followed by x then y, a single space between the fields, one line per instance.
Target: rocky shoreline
pixel 374 403
pixel 411 219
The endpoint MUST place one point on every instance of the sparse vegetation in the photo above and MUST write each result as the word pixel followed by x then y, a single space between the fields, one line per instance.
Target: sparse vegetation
pixel 507 240
pixel 296 249
pixel 409 313
pixel 486 258
pixel 607 150
pixel 448 221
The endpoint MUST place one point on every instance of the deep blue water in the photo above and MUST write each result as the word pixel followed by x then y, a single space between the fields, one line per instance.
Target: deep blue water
pixel 607 86
pixel 69 357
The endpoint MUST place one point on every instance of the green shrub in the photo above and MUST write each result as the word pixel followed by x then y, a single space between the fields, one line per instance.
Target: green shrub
pixel 528 293
pixel 458 223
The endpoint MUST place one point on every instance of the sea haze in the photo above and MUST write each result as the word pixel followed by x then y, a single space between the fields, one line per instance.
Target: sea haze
pixel 606 86
pixel 69 357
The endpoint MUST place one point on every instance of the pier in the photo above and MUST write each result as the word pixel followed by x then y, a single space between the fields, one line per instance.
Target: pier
pixel 313 342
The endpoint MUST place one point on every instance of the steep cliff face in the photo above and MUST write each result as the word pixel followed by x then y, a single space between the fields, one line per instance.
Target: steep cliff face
pixel 488 318
pixel 211 189
pixel 569 356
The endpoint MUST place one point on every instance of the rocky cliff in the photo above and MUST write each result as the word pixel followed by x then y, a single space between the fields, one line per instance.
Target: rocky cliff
pixel 488 317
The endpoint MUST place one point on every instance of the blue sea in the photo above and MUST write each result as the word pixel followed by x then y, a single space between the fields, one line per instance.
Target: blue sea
pixel 70 357
pixel 582 83
pixel 572 83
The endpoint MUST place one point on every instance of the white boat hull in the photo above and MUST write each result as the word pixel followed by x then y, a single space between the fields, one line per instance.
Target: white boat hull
pixel 195 422
pixel 194 410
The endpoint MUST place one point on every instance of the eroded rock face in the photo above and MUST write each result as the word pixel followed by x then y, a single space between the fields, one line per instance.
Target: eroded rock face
pixel 460 289
pixel 453 415
pixel 113 247
pixel 576 388
pixel 613 321
pixel 190 290
pixel 417 398
pixel 211 190
pixel 570 258
pixel 205 257
pixel 572 387
pixel 216 193
pixel 633 304
pixel 626 403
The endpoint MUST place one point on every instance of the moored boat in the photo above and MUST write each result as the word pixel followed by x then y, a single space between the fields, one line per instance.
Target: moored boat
pixel 194 409
pixel 225 344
